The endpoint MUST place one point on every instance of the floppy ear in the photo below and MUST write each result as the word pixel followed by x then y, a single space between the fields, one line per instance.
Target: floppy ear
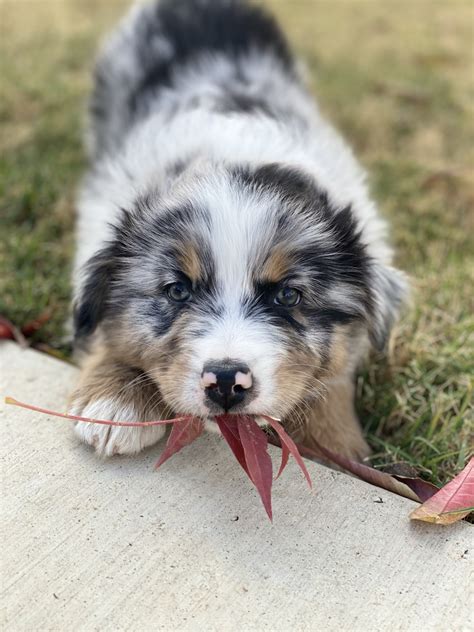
pixel 389 293
pixel 90 306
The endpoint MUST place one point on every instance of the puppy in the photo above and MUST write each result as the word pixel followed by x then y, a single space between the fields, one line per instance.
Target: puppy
pixel 229 257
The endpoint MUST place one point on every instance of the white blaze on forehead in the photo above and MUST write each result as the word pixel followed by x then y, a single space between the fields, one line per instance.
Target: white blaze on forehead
pixel 242 227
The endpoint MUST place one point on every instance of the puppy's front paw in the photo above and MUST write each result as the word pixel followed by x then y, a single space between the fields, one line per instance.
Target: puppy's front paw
pixel 110 440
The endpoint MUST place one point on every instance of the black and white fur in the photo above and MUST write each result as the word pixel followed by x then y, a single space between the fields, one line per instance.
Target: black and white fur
pixel 211 166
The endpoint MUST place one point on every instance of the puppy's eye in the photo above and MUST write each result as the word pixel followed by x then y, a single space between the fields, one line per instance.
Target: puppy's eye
pixel 178 292
pixel 288 297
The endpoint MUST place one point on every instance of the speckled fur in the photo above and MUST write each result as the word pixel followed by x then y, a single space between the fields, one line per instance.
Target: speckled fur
pixel 209 161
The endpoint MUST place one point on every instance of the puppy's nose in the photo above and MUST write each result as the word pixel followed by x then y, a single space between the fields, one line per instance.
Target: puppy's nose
pixel 226 385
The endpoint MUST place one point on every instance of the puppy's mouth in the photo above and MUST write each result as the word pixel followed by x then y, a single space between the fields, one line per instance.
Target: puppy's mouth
pixel 261 419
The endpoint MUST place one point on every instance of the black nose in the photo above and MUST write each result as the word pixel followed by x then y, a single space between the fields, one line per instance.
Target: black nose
pixel 226 385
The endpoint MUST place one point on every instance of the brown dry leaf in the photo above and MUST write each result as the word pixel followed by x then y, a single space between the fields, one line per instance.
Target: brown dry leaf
pixel 452 502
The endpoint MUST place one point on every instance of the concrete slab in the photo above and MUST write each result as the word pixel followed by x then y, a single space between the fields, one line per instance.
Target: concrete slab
pixel 114 545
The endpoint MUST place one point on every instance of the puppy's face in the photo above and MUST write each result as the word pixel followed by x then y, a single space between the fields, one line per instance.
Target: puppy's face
pixel 240 290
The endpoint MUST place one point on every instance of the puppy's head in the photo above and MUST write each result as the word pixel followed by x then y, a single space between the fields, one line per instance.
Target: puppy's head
pixel 241 290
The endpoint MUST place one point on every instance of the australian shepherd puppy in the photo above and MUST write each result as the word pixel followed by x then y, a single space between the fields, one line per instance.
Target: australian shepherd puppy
pixel 229 257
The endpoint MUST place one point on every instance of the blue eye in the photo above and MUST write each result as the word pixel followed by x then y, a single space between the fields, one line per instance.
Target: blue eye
pixel 178 292
pixel 288 297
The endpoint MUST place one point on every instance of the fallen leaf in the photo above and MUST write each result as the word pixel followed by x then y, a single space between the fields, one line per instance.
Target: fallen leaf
pixel 182 434
pixel 259 463
pixel 285 455
pixel 452 502
pixel 248 442
pixel 290 446
pixel 405 487
pixel 423 489
pixel 407 474
pixel 230 431
pixel 32 326
pixel 8 331
pixel 14 402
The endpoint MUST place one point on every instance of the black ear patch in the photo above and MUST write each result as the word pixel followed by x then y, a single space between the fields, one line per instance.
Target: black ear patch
pixel 90 307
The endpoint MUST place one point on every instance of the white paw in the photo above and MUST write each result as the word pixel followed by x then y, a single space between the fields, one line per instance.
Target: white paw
pixel 110 440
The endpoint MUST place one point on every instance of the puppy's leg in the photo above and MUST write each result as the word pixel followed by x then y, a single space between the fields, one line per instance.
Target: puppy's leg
pixel 112 391
pixel 333 422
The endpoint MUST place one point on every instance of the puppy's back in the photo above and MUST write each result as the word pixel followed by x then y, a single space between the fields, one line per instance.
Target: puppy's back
pixel 155 44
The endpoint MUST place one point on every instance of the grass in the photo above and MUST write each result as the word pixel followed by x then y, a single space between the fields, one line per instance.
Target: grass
pixel 396 77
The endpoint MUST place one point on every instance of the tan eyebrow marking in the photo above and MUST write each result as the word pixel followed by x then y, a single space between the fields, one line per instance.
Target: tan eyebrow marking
pixel 276 265
pixel 188 259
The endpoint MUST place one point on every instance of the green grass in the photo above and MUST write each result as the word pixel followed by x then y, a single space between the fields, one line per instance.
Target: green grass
pixel 396 77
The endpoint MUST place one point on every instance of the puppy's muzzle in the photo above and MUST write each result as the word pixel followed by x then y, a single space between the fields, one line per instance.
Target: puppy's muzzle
pixel 227 384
